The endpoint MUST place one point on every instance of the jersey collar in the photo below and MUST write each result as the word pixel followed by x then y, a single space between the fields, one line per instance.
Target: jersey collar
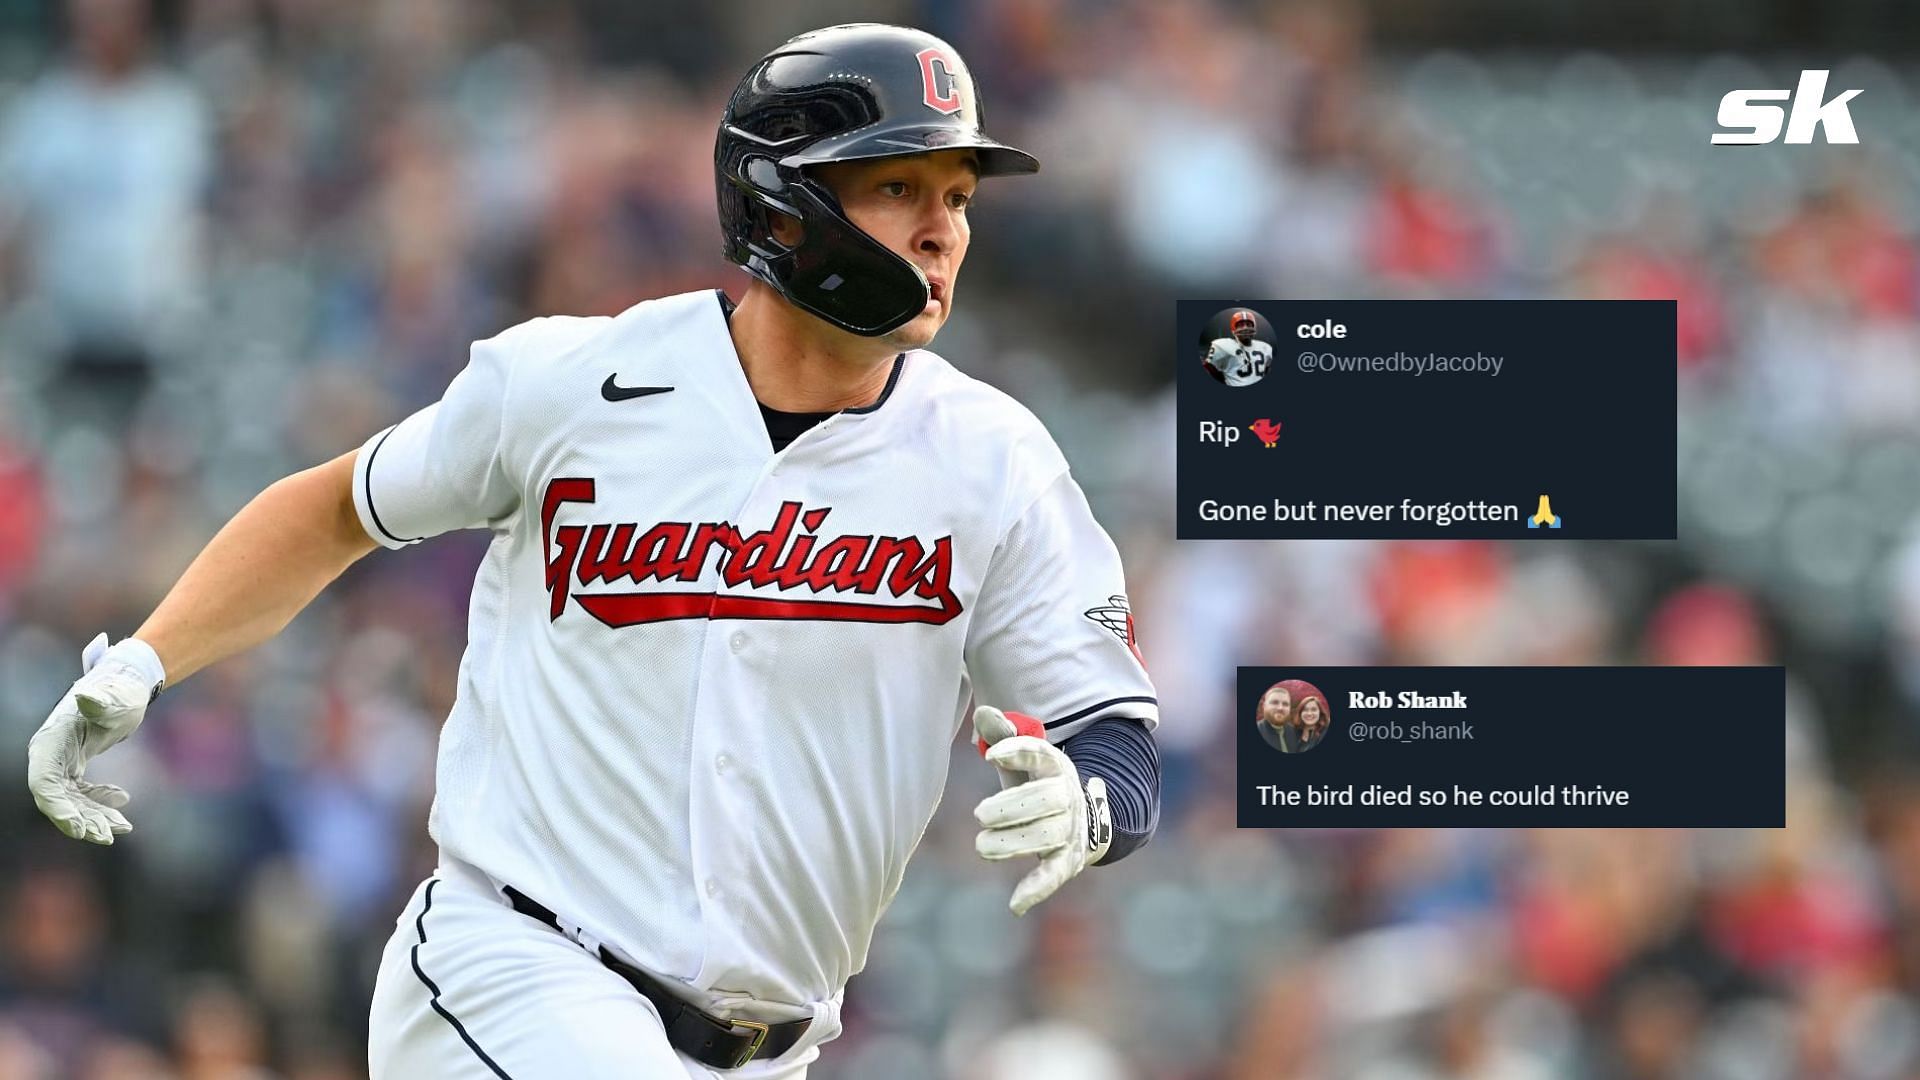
pixel 893 377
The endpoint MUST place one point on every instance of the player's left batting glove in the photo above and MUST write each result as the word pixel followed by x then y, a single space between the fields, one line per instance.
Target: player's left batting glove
pixel 1044 809
pixel 102 708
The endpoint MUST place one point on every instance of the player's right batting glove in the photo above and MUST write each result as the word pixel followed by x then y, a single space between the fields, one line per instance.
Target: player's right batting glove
pixel 104 706
pixel 1042 810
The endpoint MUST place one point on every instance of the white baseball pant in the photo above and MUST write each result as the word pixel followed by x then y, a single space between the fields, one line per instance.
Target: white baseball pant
pixel 470 989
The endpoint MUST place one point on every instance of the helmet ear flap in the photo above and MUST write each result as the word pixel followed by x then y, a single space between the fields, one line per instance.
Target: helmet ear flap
pixel 746 212
pixel 841 274
pixel 833 269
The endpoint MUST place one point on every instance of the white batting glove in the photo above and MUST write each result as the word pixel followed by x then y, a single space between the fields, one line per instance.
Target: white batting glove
pixel 103 706
pixel 1043 810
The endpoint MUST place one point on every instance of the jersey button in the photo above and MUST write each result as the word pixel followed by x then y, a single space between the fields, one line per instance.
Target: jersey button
pixel 713 887
pixel 738 641
pixel 720 763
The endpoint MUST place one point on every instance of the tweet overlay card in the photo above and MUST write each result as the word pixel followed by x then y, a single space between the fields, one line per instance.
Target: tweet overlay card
pixel 1632 747
pixel 1492 419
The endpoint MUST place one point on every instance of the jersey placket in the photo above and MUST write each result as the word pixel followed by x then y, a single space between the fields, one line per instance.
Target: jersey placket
pixel 724 748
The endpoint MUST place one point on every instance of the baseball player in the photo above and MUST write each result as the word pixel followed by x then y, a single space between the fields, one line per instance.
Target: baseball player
pixel 753 568
pixel 1240 358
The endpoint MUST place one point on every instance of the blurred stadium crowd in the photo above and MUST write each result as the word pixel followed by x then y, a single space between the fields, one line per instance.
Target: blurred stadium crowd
pixel 238 238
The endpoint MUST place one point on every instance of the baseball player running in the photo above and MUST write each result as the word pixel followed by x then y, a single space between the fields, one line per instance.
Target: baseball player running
pixel 1240 359
pixel 752 567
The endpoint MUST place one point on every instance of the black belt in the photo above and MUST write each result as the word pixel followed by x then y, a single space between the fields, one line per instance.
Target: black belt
pixel 707 1039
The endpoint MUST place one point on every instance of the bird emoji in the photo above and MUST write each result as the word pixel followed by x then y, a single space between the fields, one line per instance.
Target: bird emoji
pixel 1267 430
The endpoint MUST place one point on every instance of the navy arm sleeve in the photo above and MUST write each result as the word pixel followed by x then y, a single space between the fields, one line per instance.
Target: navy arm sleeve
pixel 1120 750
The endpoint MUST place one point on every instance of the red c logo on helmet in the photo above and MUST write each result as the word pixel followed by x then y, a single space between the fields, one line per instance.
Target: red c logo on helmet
pixel 937 70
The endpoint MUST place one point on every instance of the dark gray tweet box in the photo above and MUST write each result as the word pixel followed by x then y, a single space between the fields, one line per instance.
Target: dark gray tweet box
pixel 1633 747
pixel 1488 419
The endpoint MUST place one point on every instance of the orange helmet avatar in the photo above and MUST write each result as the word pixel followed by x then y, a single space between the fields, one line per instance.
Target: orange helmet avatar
pixel 1243 320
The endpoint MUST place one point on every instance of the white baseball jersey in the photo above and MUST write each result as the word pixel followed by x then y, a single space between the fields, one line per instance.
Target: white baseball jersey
pixel 710 690
pixel 1242 365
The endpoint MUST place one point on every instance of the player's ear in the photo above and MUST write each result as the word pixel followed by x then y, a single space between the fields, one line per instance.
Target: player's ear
pixel 787 231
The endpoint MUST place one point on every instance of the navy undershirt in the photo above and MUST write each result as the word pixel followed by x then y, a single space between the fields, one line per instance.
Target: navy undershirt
pixel 784 427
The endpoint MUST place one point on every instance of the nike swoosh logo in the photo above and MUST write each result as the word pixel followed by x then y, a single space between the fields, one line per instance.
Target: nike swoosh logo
pixel 614 392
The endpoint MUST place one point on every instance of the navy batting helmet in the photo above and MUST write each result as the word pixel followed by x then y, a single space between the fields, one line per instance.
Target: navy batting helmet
pixel 845 93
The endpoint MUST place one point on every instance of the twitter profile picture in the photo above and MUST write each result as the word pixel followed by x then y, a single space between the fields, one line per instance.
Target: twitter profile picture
pixel 1293 716
pixel 1236 347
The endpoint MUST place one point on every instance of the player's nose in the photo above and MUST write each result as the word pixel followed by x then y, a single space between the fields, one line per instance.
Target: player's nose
pixel 939 232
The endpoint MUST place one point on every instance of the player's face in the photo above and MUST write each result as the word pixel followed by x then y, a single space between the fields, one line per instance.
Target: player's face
pixel 917 207
pixel 1245 335
pixel 1275 706
pixel 1310 714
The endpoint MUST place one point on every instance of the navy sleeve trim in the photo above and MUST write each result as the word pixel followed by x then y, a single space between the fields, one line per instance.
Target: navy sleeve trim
pixel 1107 704
pixel 367 482
pixel 420 924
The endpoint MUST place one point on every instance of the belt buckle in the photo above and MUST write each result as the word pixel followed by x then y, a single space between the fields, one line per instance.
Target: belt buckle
pixel 759 1037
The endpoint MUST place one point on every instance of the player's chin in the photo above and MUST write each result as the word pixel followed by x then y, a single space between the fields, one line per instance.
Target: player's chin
pixel 918 332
